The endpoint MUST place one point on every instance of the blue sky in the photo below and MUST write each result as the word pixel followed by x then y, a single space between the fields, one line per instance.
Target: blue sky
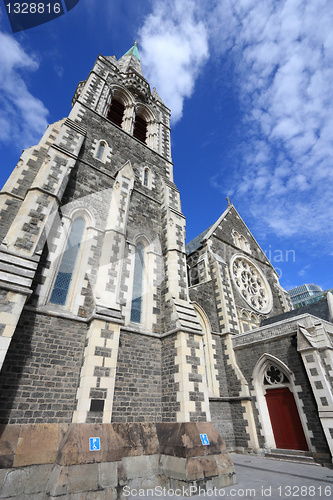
pixel 249 83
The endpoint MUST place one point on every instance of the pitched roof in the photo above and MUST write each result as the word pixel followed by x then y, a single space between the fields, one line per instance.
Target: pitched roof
pixel 196 242
pixel 319 309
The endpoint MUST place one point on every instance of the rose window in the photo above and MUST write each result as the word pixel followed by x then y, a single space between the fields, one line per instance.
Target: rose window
pixel 251 284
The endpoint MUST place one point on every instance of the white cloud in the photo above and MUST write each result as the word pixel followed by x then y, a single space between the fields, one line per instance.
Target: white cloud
pixel 23 115
pixel 174 47
pixel 284 54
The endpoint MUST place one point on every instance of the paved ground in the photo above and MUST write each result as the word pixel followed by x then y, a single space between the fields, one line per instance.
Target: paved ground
pixel 263 478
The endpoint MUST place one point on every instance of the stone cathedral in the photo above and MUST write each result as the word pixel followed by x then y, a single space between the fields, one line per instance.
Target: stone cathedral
pixel 127 359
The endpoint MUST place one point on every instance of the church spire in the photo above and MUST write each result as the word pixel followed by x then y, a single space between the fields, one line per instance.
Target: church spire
pixel 134 51
pixel 131 60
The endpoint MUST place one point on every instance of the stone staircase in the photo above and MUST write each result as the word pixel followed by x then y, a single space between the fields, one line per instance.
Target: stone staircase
pixel 295 456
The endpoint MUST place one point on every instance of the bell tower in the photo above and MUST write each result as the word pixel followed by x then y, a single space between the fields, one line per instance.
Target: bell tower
pixel 118 91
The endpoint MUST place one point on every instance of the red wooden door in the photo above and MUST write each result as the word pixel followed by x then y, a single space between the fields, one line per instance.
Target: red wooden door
pixel 286 424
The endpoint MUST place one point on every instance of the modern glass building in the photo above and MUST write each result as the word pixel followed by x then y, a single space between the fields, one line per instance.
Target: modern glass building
pixel 305 294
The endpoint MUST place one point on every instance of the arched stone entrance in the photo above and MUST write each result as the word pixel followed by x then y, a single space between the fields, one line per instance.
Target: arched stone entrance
pixel 278 410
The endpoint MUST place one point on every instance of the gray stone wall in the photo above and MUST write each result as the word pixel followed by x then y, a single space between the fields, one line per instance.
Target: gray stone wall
pixel 220 359
pixel 137 395
pixel 170 405
pixel 234 385
pixel 41 371
pixel 222 419
pixel 8 213
pixel 226 416
pixel 239 424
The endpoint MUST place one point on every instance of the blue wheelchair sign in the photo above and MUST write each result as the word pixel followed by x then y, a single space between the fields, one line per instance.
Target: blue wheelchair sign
pixel 94 444
pixel 204 439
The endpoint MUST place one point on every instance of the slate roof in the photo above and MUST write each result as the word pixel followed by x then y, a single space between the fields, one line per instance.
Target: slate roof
pixel 196 242
pixel 319 309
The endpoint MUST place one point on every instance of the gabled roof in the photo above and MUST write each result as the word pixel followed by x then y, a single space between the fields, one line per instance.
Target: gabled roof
pixel 196 242
pixel 205 235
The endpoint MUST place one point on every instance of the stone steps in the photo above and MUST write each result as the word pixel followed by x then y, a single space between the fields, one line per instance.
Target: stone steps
pixel 295 456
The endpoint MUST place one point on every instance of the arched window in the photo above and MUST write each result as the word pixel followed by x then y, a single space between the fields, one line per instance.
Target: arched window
pixel 140 128
pixel 146 177
pixel 68 261
pixel 100 151
pixel 240 241
pixel 136 308
pixel 235 237
pixel 116 112
pixel 248 320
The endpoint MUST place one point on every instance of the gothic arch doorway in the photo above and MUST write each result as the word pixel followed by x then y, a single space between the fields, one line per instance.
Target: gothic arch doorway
pixel 278 409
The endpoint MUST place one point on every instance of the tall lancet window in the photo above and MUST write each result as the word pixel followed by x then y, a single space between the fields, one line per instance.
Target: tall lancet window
pixel 140 128
pixel 136 309
pixel 116 112
pixel 100 151
pixel 67 265
pixel 146 177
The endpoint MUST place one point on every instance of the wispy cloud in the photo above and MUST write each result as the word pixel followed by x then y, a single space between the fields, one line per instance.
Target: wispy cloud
pixel 174 47
pixel 304 271
pixel 284 54
pixel 23 116
pixel 282 59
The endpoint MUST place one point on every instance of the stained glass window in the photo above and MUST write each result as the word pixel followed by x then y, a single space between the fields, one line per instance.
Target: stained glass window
pixel 146 177
pixel 136 310
pixel 67 265
pixel 100 152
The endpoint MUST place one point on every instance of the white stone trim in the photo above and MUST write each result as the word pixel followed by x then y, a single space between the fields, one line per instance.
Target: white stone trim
pixel 274 330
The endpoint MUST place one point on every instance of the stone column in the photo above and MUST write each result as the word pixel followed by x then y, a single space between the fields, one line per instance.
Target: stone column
pixel 128 120
pixel 187 390
pixel 316 349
